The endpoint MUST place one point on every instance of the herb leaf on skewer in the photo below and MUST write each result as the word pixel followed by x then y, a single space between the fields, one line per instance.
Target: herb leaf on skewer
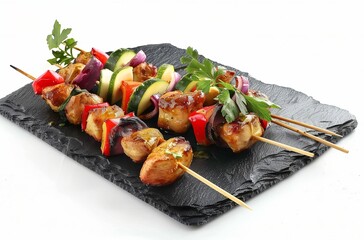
pixel 61 46
pixel 207 75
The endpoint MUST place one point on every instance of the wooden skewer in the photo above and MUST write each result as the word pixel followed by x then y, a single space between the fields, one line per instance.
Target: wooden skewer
pixel 323 141
pixel 57 65
pixel 79 49
pixel 306 125
pixel 282 145
pixel 24 73
pixel 213 186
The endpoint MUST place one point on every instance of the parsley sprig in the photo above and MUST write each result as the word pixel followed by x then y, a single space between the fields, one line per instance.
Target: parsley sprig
pixel 205 72
pixel 61 45
pixel 243 104
pixel 207 76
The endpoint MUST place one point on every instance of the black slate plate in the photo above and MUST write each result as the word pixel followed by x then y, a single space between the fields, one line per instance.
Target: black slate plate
pixel 187 200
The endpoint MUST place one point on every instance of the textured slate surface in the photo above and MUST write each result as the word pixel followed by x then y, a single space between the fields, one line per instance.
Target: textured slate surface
pixel 187 200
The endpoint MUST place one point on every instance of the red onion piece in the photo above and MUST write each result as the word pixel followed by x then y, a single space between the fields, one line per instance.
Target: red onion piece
pixel 153 113
pixel 177 77
pixel 175 80
pixel 125 127
pixel 87 78
pixel 139 58
pixel 242 83
pixel 215 120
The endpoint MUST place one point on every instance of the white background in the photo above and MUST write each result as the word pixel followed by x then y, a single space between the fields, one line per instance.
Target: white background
pixel 316 47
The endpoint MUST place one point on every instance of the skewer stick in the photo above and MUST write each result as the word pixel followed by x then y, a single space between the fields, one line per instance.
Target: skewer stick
pixel 79 49
pixel 213 186
pixel 287 147
pixel 24 73
pixel 323 141
pixel 306 125
pixel 57 65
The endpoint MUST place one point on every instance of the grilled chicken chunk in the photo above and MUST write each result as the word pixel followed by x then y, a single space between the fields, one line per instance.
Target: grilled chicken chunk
pixel 161 166
pixel 239 135
pixel 56 95
pixel 71 71
pixel 140 144
pixel 98 116
pixel 143 72
pixel 175 107
pixel 83 57
pixel 76 105
pixel 227 76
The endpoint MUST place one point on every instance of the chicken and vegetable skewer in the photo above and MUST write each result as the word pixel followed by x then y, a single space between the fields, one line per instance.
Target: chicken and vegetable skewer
pixel 230 111
pixel 165 161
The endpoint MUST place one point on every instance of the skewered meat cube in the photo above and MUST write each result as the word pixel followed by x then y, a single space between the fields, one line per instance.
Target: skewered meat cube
pixel 56 95
pixel 175 107
pixel 239 135
pixel 226 77
pixel 83 57
pixel 140 144
pixel 71 71
pixel 98 116
pixel 161 166
pixel 76 105
pixel 144 71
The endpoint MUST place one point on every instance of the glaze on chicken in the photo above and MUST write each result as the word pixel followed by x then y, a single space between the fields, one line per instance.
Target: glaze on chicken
pixel 239 135
pixel 140 144
pixel 144 71
pixel 98 116
pixel 56 95
pixel 175 107
pixel 161 166
pixel 76 105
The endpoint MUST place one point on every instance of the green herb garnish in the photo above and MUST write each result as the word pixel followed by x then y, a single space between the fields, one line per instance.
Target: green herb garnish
pixel 204 71
pixel 61 45
pixel 207 76
pixel 174 154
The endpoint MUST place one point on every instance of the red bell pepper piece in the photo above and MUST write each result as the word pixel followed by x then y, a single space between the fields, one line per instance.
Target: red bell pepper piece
pixel 127 89
pixel 199 120
pixel 86 111
pixel 100 55
pixel 264 123
pixel 106 129
pixel 107 126
pixel 49 78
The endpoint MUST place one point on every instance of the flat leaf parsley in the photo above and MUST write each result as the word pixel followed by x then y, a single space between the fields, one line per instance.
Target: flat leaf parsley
pixel 207 75
pixel 57 40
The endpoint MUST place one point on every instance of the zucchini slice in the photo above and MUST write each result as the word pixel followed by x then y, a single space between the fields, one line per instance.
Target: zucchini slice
pixel 119 59
pixel 140 99
pixel 186 84
pixel 105 78
pixel 166 72
pixel 114 91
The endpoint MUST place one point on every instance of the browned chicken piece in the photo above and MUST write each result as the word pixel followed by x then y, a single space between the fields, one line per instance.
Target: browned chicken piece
pixel 140 144
pixel 56 95
pixel 98 116
pixel 144 71
pixel 227 77
pixel 76 105
pixel 161 166
pixel 239 135
pixel 71 71
pixel 175 107
pixel 83 57
pixel 255 93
